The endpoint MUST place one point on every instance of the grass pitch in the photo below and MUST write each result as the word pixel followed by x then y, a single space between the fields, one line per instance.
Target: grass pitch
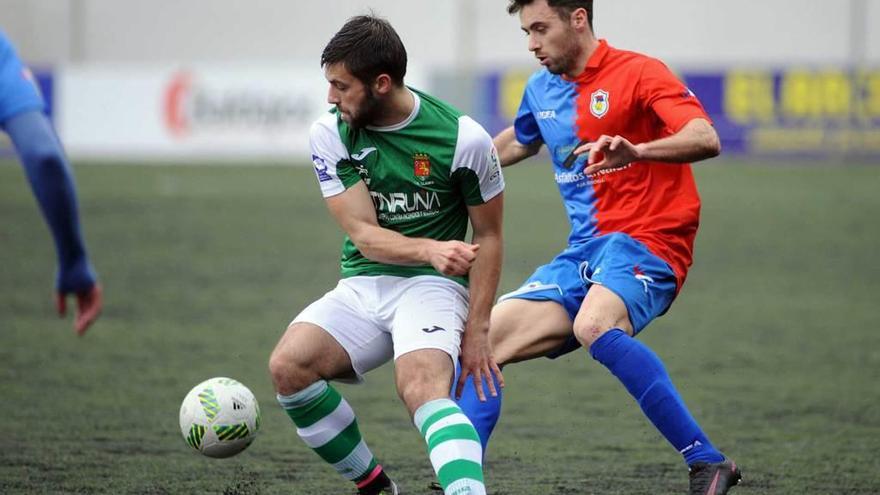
pixel 774 341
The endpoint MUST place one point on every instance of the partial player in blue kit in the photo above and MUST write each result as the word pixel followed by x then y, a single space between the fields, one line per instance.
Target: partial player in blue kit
pixel 47 170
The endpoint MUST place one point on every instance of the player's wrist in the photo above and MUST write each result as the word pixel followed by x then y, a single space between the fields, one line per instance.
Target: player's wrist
pixel 640 152
pixel 425 251
pixel 477 325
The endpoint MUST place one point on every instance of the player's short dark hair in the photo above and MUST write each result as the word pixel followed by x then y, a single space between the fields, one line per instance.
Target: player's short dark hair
pixel 367 46
pixel 563 8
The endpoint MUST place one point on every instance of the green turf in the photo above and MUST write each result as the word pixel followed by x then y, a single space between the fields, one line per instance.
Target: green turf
pixel 774 342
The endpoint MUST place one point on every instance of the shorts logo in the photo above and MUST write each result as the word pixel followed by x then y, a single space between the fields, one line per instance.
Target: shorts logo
pixel 641 277
pixel 587 277
pixel 433 329
pixel 421 165
pixel 321 169
pixel 599 103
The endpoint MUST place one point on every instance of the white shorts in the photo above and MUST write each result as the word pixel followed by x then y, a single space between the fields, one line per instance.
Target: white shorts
pixel 375 318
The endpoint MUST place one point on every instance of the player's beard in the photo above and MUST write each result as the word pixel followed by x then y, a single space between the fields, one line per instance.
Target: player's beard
pixel 367 113
pixel 570 53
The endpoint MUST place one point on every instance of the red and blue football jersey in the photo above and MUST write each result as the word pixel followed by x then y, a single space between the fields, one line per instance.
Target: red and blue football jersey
pixel 637 97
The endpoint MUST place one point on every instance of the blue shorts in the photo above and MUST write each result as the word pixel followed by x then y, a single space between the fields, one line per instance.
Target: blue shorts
pixel 18 90
pixel 616 261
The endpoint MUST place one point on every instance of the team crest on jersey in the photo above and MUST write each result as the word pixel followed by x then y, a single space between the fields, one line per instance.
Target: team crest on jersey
pixel 421 165
pixel 599 103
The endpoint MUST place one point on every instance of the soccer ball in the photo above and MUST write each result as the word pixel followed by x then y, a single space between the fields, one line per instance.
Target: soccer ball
pixel 219 417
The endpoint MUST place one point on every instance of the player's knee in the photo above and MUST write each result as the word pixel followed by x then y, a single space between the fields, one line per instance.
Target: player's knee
pixel 290 372
pixel 588 330
pixel 416 389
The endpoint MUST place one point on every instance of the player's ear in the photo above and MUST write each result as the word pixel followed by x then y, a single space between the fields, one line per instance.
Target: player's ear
pixel 383 84
pixel 579 18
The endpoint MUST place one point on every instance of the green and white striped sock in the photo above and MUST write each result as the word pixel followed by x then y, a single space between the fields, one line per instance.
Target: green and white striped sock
pixel 327 424
pixel 453 446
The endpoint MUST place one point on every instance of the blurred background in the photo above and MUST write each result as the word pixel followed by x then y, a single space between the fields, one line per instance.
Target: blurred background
pixel 231 80
pixel 187 125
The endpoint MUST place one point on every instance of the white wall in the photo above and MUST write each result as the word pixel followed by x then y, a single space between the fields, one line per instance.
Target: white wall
pixel 683 32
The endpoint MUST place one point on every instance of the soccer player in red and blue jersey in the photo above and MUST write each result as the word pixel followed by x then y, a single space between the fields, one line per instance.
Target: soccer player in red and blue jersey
pixel 22 118
pixel 621 130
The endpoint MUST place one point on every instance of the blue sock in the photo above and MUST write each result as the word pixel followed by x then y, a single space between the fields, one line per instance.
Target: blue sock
pixel 646 379
pixel 52 182
pixel 483 415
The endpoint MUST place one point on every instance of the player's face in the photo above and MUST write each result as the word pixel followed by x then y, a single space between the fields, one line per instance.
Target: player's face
pixel 357 104
pixel 553 40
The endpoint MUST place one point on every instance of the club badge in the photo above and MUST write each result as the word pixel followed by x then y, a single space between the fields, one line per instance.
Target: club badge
pixel 599 103
pixel 421 165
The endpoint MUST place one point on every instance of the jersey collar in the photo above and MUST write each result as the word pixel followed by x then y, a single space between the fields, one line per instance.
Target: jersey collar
pixel 417 103
pixel 594 62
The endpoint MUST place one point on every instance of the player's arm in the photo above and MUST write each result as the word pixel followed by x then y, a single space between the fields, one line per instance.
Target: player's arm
pixel 696 141
pixel 511 151
pixel 350 204
pixel 484 275
pixel 354 211
pixel 478 173
pixel 523 138
pixel 51 180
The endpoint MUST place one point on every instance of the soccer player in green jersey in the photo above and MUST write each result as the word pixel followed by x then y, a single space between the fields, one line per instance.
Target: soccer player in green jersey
pixel 402 173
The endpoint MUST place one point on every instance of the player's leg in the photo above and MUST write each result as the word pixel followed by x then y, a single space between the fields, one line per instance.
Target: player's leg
pixel 423 379
pixel 523 329
pixel 632 289
pixel 603 326
pixel 427 328
pixel 532 321
pixel 306 357
pixel 520 329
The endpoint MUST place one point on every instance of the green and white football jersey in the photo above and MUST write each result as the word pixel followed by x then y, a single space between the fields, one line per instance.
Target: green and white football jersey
pixel 421 173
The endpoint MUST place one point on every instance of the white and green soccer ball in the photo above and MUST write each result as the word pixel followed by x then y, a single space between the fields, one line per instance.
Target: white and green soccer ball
pixel 219 417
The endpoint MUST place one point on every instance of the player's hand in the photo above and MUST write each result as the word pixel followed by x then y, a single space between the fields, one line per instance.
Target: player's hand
pixel 608 152
pixel 453 258
pixel 477 362
pixel 88 306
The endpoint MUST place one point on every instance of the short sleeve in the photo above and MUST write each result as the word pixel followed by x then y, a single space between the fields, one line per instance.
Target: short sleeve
pixel 667 97
pixel 19 91
pixel 330 157
pixel 525 125
pixel 475 166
